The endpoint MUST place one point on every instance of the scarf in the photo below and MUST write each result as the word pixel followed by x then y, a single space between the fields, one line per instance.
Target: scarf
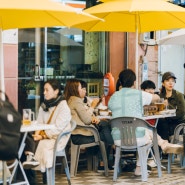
pixel 51 103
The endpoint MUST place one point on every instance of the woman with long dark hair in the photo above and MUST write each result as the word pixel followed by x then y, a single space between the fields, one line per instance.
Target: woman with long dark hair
pixel 74 94
pixel 175 100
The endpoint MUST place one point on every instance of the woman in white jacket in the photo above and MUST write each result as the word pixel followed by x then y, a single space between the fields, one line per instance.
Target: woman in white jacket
pixel 54 110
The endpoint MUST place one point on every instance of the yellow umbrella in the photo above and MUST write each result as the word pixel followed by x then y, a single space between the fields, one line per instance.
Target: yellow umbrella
pixel 135 16
pixel 39 13
pixel 36 13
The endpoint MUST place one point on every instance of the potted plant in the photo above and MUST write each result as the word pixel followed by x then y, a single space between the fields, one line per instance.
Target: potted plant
pixel 31 87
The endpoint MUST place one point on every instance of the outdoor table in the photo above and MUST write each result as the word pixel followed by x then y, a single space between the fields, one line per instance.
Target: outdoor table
pixel 157 117
pixel 17 163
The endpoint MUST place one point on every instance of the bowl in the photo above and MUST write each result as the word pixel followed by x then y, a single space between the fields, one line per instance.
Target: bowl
pixel 172 111
pixel 103 113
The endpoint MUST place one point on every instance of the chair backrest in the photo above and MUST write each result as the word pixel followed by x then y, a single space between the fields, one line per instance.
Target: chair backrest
pixel 129 129
pixel 62 134
pixel 92 129
pixel 178 132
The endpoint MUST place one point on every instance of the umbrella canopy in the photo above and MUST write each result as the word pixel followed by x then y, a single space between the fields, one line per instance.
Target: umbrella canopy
pixel 69 31
pixel 42 13
pixel 36 13
pixel 175 38
pixel 135 16
pixel 53 38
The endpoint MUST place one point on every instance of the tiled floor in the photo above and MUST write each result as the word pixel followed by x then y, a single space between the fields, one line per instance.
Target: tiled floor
pixel 84 177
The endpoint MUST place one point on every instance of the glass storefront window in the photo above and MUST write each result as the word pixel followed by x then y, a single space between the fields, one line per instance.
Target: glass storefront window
pixel 59 53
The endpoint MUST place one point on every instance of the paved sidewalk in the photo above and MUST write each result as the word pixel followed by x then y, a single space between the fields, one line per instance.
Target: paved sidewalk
pixel 177 177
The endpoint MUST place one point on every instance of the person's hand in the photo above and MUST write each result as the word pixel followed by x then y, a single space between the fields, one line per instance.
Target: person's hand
pixel 95 120
pixel 37 137
pixel 165 103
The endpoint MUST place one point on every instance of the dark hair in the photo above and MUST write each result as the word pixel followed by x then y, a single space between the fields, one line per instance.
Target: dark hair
pixel 71 88
pixel 127 78
pixel 167 76
pixel 83 84
pixel 54 84
pixel 147 84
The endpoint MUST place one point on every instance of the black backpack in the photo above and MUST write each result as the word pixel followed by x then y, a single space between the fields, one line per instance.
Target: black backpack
pixel 10 124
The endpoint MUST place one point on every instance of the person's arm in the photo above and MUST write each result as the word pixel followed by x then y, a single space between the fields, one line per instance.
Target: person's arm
pixel 61 119
pixel 155 97
pixel 180 106
pixel 149 98
pixel 84 114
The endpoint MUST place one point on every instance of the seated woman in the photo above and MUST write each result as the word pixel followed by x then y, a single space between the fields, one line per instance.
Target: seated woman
pixel 83 115
pixel 54 110
pixel 175 99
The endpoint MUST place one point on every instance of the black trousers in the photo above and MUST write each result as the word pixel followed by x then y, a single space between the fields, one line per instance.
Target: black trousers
pixel 166 127
pixel 104 129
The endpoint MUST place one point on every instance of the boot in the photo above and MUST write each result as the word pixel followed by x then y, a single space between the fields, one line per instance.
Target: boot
pixel 44 178
pixel 170 148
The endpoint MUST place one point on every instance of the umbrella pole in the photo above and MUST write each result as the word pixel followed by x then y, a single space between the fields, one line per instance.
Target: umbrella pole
pixel 2 87
pixel 136 59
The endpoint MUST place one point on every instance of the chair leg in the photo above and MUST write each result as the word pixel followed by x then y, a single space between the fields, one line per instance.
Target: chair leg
pixel 104 156
pixel 75 152
pixel 116 163
pixel 157 156
pixel 142 152
pixel 169 162
pixel 50 173
pixel 66 167
pixel 89 162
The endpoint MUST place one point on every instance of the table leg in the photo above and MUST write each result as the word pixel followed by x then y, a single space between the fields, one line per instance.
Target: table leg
pixel 18 163
pixel 4 172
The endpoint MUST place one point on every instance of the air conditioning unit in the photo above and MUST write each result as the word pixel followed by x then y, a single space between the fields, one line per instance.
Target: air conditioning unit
pixel 147 38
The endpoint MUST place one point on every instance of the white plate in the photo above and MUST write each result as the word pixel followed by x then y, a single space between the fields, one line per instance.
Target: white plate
pixel 172 111
pixel 164 112
pixel 103 113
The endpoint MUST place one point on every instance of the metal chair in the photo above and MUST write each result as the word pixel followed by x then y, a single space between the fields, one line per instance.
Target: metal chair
pixel 127 131
pixel 51 171
pixel 178 138
pixel 75 150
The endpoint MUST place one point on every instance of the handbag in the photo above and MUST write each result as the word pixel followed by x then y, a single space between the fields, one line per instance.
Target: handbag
pixel 10 124
pixel 42 132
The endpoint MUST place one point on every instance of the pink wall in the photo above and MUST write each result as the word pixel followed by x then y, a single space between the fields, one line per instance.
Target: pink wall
pixel 11 72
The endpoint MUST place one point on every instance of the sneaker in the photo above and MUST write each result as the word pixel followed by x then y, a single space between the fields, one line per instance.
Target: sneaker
pixel 111 168
pixel 169 148
pixel 30 162
pixel 138 171
pixel 151 163
pixel 101 169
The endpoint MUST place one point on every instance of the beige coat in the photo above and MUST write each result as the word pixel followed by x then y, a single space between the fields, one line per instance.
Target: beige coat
pixel 61 119
pixel 80 114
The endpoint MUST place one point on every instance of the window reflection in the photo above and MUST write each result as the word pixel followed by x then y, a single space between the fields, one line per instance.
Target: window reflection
pixel 59 53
